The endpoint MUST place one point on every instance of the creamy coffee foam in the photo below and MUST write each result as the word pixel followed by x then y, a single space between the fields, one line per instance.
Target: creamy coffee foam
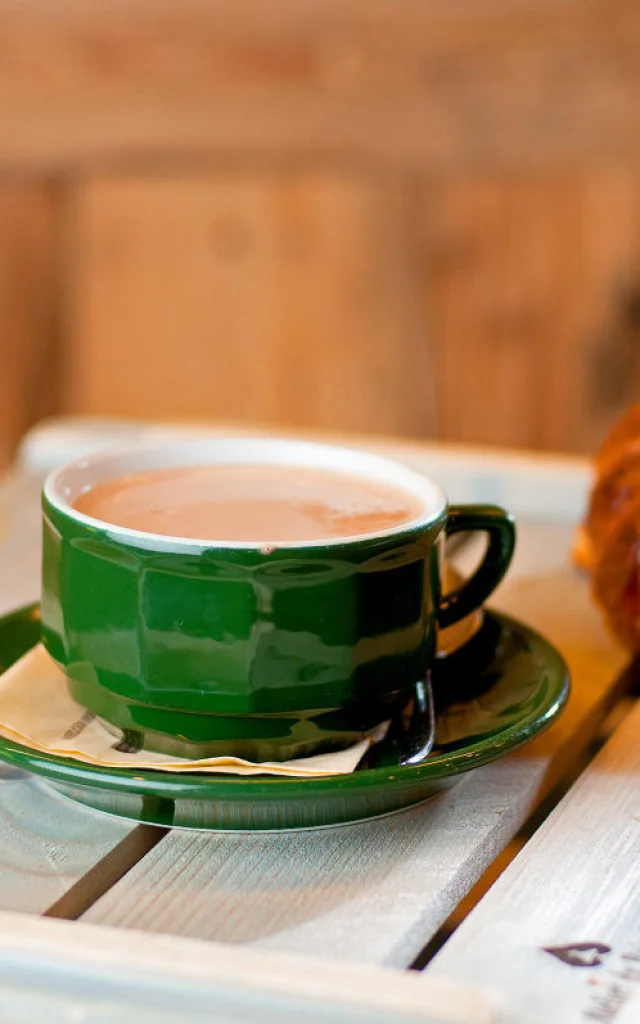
pixel 250 503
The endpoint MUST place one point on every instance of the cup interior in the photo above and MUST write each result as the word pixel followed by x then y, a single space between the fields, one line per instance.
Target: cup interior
pixel 63 487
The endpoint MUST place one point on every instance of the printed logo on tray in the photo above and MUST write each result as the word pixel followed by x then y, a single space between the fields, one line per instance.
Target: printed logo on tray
pixel 613 989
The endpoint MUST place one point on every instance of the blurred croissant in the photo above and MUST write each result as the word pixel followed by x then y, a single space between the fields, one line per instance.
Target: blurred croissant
pixel 607 544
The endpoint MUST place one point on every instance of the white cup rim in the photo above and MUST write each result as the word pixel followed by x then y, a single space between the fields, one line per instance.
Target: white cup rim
pixel 65 485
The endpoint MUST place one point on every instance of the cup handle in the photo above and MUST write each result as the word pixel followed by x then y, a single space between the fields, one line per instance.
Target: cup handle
pixel 500 527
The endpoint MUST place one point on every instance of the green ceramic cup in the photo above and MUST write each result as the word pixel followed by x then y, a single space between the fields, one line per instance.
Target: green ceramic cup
pixel 204 648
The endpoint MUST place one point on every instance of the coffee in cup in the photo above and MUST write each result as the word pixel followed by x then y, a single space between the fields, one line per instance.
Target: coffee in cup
pixel 264 503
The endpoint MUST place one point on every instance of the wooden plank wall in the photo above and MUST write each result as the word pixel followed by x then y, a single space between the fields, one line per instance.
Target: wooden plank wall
pixel 28 309
pixel 378 215
pixel 533 287
pixel 258 297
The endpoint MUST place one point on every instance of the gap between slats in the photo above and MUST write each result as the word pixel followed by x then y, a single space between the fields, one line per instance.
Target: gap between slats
pixel 628 689
pixel 103 875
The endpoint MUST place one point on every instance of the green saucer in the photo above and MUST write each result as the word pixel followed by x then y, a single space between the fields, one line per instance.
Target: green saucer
pixel 497 692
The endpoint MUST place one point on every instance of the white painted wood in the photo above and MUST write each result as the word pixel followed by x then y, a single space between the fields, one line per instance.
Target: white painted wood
pixel 58 971
pixel 47 843
pixel 550 488
pixel 20 543
pixel 576 881
pixel 376 892
pixel 367 893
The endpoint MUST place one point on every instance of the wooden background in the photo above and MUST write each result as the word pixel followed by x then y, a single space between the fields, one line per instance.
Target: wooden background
pixel 398 216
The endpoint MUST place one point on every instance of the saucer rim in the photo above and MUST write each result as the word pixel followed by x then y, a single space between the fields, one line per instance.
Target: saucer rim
pixel 183 786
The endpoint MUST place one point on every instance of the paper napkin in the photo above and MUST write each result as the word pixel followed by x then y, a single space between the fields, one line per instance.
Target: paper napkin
pixel 37 711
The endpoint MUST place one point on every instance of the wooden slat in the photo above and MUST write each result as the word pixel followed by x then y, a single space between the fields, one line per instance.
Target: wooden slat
pixel 28 244
pixel 397 82
pixel 370 893
pixel 262 299
pixel 376 892
pixel 574 882
pixel 47 843
pixel 531 282
pixel 20 545
pixel 57 971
